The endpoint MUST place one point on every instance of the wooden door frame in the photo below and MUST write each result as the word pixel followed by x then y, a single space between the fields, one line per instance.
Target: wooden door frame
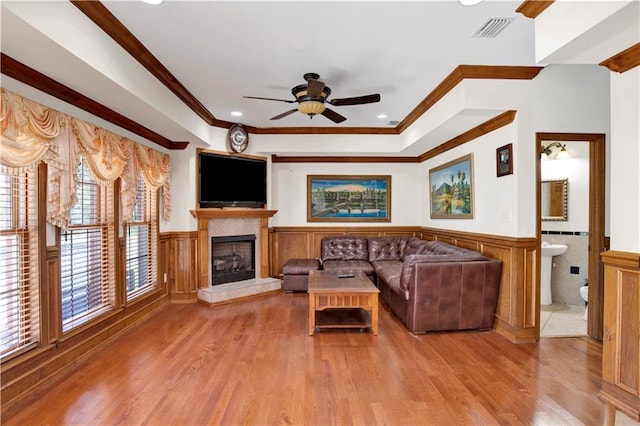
pixel 597 167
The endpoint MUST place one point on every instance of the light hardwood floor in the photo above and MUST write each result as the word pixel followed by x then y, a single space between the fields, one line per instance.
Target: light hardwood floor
pixel 252 362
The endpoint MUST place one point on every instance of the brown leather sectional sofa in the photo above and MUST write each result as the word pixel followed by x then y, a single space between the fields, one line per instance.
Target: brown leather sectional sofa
pixel 429 285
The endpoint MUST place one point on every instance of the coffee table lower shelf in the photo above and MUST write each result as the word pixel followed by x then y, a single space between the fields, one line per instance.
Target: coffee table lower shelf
pixel 343 318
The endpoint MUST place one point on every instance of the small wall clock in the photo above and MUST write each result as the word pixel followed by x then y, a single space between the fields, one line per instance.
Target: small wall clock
pixel 238 138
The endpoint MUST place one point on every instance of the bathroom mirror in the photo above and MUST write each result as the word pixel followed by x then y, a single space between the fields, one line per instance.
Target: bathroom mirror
pixel 554 199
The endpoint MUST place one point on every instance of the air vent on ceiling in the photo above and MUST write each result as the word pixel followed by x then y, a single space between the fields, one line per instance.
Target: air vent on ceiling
pixel 492 27
pixel 393 123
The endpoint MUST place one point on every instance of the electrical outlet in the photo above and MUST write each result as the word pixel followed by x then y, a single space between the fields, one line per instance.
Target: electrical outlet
pixel 574 270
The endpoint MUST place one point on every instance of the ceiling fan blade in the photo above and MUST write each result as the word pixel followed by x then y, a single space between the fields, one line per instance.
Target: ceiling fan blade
pixel 358 100
pixel 314 88
pixel 270 99
pixel 284 114
pixel 333 116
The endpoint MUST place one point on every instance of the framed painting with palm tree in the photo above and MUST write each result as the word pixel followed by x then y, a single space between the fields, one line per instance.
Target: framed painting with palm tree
pixel 451 189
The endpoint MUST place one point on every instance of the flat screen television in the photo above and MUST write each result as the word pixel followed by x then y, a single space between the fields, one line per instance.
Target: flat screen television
pixel 227 181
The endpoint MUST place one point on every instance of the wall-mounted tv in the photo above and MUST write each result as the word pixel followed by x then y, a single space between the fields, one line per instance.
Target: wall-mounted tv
pixel 228 181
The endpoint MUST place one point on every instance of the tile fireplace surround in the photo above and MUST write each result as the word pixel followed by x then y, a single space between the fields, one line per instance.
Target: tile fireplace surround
pixel 227 222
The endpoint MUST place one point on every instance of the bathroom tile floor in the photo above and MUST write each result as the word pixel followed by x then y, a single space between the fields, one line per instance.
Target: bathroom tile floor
pixel 560 320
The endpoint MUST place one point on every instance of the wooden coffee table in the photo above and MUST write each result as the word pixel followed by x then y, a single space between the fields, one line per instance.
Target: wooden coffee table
pixel 335 302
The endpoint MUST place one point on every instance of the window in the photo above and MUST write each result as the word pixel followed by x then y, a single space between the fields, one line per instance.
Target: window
pixel 19 263
pixel 88 253
pixel 142 236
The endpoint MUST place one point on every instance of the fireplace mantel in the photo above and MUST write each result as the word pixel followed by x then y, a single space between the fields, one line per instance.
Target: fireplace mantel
pixel 231 212
pixel 205 215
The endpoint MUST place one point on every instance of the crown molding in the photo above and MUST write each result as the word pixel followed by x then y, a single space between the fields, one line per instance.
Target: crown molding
pixel 17 70
pixel 488 126
pixel 462 72
pixel 21 72
pixel 326 131
pixel 625 60
pixel 343 159
pixel 105 20
pixel 533 8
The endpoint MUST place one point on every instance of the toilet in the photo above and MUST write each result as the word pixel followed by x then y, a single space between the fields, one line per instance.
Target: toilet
pixel 584 293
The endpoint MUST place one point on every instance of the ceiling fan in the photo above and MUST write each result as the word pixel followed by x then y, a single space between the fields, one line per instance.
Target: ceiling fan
pixel 312 99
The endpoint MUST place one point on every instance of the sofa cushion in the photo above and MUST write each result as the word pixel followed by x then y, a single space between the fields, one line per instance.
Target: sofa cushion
pixel 408 269
pixel 381 264
pixel 300 266
pixel 471 256
pixel 386 248
pixel 344 248
pixel 415 246
pixel 389 273
pixel 348 265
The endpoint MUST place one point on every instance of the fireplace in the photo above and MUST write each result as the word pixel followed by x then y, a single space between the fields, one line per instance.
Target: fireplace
pixel 233 258
pixel 226 222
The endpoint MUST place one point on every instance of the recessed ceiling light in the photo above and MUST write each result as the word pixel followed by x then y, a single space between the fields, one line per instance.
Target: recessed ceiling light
pixel 236 113
pixel 153 2
pixel 469 2
pixel 382 115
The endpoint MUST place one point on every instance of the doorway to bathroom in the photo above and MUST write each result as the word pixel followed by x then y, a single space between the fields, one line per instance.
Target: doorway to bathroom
pixel 595 238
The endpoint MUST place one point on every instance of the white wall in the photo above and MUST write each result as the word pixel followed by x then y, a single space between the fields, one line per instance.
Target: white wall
pixel 495 198
pixel 625 154
pixel 585 32
pixel 289 194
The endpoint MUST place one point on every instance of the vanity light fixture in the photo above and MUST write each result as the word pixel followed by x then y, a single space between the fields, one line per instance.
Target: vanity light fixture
pixel 546 152
pixel 153 2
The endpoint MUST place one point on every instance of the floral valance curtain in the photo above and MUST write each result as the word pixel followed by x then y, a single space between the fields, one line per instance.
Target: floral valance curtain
pixel 32 132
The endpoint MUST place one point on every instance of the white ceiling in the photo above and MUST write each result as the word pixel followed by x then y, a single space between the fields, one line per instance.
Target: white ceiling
pixel 222 51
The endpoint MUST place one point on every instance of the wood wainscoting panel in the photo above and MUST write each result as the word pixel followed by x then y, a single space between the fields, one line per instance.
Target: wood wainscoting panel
pixel 51 303
pixel 179 249
pixel 288 245
pixel 620 344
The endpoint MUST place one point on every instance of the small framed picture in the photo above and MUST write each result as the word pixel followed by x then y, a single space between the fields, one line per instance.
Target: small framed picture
pixel 504 160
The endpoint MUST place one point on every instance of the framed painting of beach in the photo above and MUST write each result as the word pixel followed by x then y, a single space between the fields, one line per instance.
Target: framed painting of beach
pixel 451 189
pixel 346 198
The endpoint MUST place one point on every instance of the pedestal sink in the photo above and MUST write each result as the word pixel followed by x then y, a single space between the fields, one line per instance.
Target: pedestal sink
pixel 548 251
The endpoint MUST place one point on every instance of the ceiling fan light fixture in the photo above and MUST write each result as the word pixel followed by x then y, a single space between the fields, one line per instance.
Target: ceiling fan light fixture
pixel 311 107
pixel 312 96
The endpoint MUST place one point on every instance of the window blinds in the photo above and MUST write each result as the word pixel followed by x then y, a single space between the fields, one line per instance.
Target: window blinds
pixel 142 241
pixel 87 253
pixel 19 263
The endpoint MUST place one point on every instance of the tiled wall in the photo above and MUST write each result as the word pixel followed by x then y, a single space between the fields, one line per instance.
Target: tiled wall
pixel 564 285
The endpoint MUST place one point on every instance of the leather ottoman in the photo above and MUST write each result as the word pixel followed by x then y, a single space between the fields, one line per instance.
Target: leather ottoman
pixel 296 273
